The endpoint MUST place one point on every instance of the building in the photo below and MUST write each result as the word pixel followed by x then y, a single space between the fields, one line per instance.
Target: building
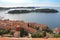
pixel 41 26
pixel 31 30
pixel 17 34
pixel 56 31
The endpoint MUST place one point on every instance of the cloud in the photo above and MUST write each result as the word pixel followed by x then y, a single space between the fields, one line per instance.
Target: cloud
pixel 29 3
pixel 16 1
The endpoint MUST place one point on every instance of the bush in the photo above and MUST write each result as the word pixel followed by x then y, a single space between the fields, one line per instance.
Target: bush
pixel 36 35
pixel 57 35
pixel 48 30
pixel 11 33
pixel 5 32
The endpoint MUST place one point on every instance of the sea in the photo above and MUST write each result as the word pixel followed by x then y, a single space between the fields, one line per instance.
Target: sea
pixel 50 19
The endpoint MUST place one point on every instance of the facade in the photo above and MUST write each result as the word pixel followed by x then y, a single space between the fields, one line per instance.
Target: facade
pixel 56 31
pixel 17 34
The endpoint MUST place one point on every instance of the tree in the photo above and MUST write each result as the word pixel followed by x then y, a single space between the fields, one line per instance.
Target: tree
pixel 23 32
pixel 44 34
pixel 5 32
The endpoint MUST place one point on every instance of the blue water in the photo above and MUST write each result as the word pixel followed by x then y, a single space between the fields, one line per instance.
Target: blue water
pixel 50 19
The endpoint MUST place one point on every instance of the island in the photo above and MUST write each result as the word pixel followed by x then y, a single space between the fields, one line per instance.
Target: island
pixel 46 10
pixel 21 29
pixel 18 11
pixel 3 8
pixel 36 10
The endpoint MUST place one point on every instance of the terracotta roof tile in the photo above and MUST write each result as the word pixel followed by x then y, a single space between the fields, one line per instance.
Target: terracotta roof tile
pixel 31 30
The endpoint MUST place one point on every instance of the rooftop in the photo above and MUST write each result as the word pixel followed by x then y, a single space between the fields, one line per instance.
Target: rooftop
pixel 57 29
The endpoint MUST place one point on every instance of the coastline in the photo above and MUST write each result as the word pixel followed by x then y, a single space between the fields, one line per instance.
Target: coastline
pixel 32 29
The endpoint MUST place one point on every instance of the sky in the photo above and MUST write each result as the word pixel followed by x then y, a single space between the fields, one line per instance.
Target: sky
pixel 14 3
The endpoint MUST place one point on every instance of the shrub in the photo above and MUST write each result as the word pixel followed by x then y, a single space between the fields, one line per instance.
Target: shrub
pixel 57 35
pixel 5 32
pixel 36 35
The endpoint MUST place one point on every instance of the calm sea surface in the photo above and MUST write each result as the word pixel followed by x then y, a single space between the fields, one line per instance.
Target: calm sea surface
pixel 50 19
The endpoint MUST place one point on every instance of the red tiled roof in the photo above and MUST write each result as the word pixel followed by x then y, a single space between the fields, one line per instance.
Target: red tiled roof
pixel 38 25
pixel 31 30
pixel 13 24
